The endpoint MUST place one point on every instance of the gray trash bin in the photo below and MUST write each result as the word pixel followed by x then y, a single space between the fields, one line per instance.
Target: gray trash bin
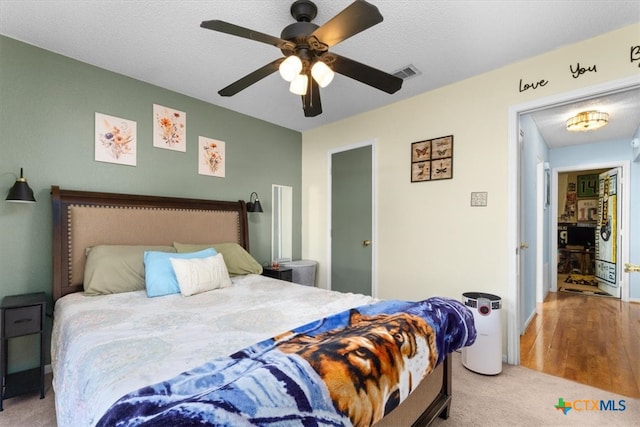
pixel 303 271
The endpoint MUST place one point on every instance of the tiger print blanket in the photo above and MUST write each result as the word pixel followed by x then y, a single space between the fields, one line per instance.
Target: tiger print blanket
pixel 350 368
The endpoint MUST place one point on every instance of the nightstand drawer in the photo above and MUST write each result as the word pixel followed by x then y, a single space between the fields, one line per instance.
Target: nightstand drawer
pixel 22 321
pixel 278 273
pixel 21 315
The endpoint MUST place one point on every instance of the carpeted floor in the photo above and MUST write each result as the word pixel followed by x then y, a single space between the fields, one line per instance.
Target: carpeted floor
pixel 516 397
pixel 523 397
pixel 29 410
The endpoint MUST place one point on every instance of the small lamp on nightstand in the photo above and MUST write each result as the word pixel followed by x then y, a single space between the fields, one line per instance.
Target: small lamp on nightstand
pixel 253 205
pixel 21 192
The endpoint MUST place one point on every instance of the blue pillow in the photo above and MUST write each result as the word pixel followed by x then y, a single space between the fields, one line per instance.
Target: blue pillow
pixel 160 279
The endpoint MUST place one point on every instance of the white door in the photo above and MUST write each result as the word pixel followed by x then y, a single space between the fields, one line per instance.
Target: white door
pixel 608 241
pixel 523 245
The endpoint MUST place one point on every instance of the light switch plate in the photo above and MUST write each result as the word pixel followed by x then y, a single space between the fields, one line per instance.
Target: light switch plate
pixel 478 198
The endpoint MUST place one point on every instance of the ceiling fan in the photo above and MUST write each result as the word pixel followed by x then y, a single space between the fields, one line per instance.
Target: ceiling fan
pixel 307 62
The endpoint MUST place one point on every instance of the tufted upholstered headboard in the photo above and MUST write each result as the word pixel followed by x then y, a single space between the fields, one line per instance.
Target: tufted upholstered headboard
pixel 82 219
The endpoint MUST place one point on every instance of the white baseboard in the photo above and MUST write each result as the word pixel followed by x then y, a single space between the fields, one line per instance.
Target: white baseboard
pixel 526 323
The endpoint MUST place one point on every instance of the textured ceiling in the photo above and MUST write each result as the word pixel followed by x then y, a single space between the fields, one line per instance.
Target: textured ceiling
pixel 624 118
pixel 161 42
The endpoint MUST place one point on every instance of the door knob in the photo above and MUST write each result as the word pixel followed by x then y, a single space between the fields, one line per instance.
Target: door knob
pixel 630 268
pixel 524 245
pixel 366 243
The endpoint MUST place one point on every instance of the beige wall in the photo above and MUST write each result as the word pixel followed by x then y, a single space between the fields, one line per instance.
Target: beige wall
pixel 429 240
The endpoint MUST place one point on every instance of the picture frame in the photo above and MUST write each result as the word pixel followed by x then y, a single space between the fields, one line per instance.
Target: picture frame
pixel 432 159
pixel 115 140
pixel 421 171
pixel 547 189
pixel 211 157
pixel 587 210
pixel 169 128
pixel 588 185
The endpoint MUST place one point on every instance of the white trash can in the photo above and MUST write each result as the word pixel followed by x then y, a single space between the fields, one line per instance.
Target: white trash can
pixel 485 355
pixel 303 271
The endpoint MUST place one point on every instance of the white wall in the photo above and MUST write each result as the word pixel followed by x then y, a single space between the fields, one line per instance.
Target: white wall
pixel 430 241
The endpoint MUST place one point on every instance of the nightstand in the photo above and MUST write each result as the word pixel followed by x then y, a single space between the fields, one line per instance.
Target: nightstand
pixel 281 273
pixel 21 315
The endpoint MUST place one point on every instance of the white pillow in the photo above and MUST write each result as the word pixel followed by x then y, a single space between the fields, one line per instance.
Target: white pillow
pixel 198 275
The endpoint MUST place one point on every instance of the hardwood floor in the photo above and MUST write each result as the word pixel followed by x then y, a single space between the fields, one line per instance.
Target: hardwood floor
pixel 589 339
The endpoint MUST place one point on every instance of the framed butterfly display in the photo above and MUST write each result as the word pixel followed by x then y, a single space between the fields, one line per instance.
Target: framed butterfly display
pixel 432 159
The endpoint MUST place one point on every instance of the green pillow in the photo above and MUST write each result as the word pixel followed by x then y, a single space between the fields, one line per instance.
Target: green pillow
pixel 112 269
pixel 238 261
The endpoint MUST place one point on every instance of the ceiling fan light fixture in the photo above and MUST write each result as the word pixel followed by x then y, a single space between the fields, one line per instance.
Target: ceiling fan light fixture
pixel 299 85
pixel 311 43
pixel 322 74
pixel 587 120
pixel 290 68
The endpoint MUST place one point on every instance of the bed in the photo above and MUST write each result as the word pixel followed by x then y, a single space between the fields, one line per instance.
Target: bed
pixel 123 350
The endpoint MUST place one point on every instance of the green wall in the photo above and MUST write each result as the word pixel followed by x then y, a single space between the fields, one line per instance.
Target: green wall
pixel 47 109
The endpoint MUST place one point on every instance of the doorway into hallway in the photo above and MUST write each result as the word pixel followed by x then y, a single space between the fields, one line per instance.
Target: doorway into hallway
pixel 577 234
pixel 515 290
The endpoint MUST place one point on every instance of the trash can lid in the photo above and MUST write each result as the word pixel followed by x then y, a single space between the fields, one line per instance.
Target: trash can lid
pixel 300 263
pixel 478 295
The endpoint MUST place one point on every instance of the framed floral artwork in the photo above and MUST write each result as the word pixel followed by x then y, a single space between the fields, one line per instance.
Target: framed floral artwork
pixel 169 128
pixel 211 157
pixel 115 140
pixel 432 159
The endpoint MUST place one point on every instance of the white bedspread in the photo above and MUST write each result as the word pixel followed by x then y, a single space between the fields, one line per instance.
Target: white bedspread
pixel 103 347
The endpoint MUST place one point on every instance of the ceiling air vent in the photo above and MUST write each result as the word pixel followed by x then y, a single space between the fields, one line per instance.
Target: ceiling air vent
pixel 407 72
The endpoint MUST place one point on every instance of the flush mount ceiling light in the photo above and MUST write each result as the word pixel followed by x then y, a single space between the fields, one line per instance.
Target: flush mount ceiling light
pixel 587 120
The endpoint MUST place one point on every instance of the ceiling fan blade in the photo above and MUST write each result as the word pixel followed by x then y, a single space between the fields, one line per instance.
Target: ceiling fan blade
pixel 355 18
pixel 366 74
pixel 236 30
pixel 251 78
pixel 311 101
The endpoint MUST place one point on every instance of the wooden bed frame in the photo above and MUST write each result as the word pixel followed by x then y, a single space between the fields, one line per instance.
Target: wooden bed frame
pixel 82 219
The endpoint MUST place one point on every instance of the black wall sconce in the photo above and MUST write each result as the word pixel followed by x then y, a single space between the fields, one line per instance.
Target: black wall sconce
pixel 21 192
pixel 253 205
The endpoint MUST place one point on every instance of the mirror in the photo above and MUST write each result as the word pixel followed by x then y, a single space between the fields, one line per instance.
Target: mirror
pixel 281 223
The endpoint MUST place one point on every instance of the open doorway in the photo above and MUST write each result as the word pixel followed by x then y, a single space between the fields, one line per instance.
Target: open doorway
pixel 586 160
pixel 582 242
pixel 605 248
pixel 552 344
